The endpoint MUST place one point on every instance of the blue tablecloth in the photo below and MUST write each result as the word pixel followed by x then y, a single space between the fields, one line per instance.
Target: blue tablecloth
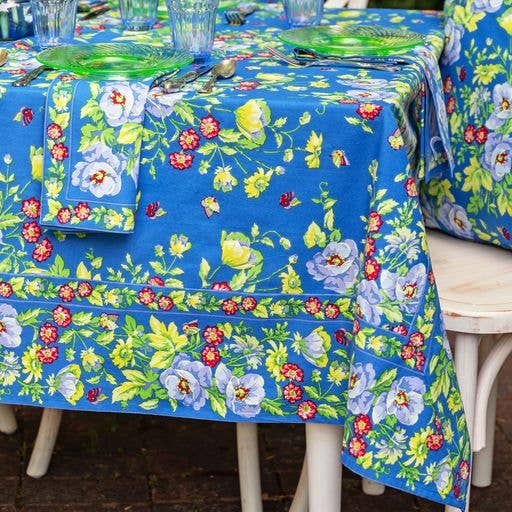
pixel 278 268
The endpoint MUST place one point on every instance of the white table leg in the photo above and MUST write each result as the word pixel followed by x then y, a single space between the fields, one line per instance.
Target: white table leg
pixel 372 488
pixel 45 442
pixel 323 453
pixel 300 499
pixel 249 467
pixel 7 419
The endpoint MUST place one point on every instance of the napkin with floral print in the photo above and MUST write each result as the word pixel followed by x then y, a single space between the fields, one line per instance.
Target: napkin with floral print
pixel 93 134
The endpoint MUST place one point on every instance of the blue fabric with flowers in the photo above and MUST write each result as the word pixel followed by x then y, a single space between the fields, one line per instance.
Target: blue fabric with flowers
pixel 476 65
pixel 278 269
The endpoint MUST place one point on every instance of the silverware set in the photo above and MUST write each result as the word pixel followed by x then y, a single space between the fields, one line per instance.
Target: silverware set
pixel 238 16
pixel 31 75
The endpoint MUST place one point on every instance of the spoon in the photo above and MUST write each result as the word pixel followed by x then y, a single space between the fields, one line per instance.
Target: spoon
pixel 175 84
pixel 3 56
pixel 224 69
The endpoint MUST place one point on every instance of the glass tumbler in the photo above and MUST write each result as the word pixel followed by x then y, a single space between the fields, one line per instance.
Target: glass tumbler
pixel 193 26
pixel 54 21
pixel 300 13
pixel 138 14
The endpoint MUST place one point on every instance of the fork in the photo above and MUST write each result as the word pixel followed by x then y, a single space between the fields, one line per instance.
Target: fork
pixel 330 62
pixel 238 17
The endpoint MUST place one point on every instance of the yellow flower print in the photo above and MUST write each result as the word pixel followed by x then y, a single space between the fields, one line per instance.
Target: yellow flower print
pixel 113 298
pixel 166 340
pixel 505 21
pixel 179 244
pixel 418 449
pixel 290 281
pixel 31 365
pixel 90 360
pixel 251 119
pixel 113 219
pixel 36 161
pixel 277 356
pixel 337 373
pixel 53 188
pixel 486 73
pixel 257 183
pixel 237 252
pixel 314 147
pixel 122 355
pixel 61 100
pixel 224 180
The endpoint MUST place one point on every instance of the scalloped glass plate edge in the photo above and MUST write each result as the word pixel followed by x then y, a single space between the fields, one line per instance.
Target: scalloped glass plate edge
pixel 54 58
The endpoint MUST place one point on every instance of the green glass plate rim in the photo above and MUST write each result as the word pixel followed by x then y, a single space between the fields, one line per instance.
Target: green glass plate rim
pixel 46 57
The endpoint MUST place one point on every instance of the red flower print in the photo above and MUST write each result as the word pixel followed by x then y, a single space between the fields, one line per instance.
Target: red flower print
pixel 64 215
pixel 505 233
pixel 84 289
pixel 450 105
pixel 371 269
pixel 5 289
pixel 447 85
pixel 48 355
pixel 407 352
pixel 59 152
pixel 286 199
pixel 313 306
pixel 54 131
pixel 209 127
pixel 356 327
pixel 48 333
pixel 357 447
pixel 456 490
pixel 410 187
pixel 430 277
pixel 362 424
pixel 368 110
pixel 464 469
pixel 417 339
pixel 189 139
pixel 292 371
pixel 82 211
pixel 369 247
pixel 437 422
pixel 470 133
pixel 31 231
pixel 341 336
pixel 43 250
pixel 249 303
pixel 31 207
pixel 435 441
pixel 210 356
pixel 66 293
pixel 221 285
pixel 400 329
pixel 420 360
pixel 26 115
pixel 247 85
pixel 213 335
pixel 62 316
pixel 292 393
pixel 93 394
pixel 180 160
pixel 481 135
pixel 374 222
pixel 146 296
pixel 462 74
pixel 307 410
pixel 229 306
pixel 152 209
pixel 332 311
pixel 165 303
pixel 156 281
pixel 21 45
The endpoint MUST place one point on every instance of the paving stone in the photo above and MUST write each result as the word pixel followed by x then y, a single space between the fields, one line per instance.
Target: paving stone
pixel 8 489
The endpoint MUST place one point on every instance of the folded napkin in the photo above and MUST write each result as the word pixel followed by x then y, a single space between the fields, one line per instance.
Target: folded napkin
pixel 93 134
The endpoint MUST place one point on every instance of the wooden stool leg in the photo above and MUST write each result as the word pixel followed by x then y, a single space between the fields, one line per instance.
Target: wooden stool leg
pixel 372 488
pixel 323 452
pixel 249 467
pixel 300 499
pixel 45 442
pixel 7 419
pixel 466 367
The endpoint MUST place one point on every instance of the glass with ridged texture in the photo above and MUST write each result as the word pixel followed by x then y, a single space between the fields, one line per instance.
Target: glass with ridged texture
pixel 301 13
pixel 138 14
pixel 54 21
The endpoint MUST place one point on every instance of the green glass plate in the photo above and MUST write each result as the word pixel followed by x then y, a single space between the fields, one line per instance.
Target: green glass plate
pixel 114 60
pixel 350 39
pixel 223 4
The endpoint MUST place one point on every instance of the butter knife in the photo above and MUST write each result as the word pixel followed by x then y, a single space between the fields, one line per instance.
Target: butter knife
pixel 175 84
pixel 28 77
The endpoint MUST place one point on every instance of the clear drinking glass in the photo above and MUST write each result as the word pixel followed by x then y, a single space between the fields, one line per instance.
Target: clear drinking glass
pixel 300 13
pixel 138 14
pixel 54 21
pixel 193 26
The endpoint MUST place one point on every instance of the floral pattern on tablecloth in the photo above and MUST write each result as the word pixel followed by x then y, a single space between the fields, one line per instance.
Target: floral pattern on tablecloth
pixel 476 203
pixel 278 270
